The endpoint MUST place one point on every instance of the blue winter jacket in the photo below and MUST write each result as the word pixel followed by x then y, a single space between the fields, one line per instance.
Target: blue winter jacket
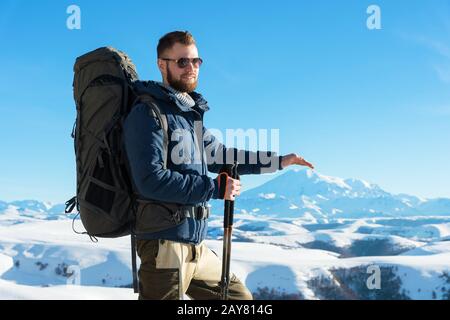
pixel 185 181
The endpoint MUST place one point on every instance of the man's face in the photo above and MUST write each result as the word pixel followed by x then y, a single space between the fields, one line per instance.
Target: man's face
pixel 181 79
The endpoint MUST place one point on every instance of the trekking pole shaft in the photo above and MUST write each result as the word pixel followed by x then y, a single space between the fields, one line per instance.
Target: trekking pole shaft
pixel 226 263
pixel 227 231
pixel 133 264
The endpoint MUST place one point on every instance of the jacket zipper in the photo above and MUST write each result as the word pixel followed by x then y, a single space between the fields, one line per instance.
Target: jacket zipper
pixel 200 144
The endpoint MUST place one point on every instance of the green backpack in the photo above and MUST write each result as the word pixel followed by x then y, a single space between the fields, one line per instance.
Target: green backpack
pixel 104 94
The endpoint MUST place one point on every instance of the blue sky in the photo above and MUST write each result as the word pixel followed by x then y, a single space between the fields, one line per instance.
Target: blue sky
pixel 360 103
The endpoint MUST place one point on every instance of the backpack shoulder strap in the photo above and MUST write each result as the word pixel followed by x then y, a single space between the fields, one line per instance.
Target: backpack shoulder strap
pixel 156 112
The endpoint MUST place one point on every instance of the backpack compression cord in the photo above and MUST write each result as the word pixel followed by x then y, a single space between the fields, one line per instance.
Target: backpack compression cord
pixel 230 170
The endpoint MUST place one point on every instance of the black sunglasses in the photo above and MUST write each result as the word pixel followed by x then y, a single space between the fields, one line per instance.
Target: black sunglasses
pixel 184 62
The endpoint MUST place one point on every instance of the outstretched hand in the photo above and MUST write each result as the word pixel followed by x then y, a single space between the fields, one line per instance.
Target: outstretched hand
pixel 294 158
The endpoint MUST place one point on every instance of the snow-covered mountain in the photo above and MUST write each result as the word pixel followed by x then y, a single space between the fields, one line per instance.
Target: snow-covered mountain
pixel 29 207
pixel 311 195
pixel 297 194
pixel 17 212
pixel 300 235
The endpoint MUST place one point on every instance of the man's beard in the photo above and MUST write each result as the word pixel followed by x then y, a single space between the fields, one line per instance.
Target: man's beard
pixel 180 85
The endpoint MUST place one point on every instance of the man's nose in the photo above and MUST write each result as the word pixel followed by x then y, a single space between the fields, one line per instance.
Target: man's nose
pixel 190 66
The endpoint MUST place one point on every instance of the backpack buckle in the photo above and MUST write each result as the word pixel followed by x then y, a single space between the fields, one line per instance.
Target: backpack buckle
pixel 202 213
pixel 199 213
pixel 177 216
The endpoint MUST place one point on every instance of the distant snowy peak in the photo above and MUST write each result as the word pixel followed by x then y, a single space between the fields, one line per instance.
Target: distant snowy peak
pixel 294 193
pixel 318 178
pixel 31 205
pixel 358 184
pixel 31 209
pixel 302 193
pixel 311 183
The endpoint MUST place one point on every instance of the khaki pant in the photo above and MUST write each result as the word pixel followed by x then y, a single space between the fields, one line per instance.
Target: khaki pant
pixel 171 269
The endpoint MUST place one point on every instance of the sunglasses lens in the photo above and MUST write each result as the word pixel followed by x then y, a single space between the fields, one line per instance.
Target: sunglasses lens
pixel 183 62
pixel 197 62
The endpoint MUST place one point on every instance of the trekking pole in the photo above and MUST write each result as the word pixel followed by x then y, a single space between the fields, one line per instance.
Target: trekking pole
pixel 231 170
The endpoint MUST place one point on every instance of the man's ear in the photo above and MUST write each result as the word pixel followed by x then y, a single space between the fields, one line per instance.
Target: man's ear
pixel 161 65
pixel 162 68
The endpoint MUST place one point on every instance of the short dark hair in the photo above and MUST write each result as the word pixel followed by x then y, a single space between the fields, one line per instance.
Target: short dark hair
pixel 168 40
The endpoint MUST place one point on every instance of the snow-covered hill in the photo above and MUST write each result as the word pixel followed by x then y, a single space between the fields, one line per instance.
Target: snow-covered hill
pixel 301 235
pixel 304 194
pixel 311 195
pixel 41 256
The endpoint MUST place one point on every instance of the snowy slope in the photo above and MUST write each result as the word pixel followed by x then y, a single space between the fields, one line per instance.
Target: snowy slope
pixel 278 263
pixel 12 291
pixel 283 238
pixel 41 247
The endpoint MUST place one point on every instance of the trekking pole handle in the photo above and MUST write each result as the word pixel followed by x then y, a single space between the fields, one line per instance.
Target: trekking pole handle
pixel 231 171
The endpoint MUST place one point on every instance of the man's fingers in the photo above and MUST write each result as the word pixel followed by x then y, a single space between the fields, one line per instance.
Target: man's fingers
pixel 234 181
pixel 234 188
pixel 309 164
pixel 235 191
pixel 305 163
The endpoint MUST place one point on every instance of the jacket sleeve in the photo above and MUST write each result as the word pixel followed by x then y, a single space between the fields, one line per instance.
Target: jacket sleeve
pixel 249 162
pixel 143 142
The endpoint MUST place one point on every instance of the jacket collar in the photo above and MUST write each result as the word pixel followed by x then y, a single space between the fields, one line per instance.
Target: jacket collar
pixel 160 93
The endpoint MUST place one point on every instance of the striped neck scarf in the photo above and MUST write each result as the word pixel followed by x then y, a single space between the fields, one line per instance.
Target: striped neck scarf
pixel 184 98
